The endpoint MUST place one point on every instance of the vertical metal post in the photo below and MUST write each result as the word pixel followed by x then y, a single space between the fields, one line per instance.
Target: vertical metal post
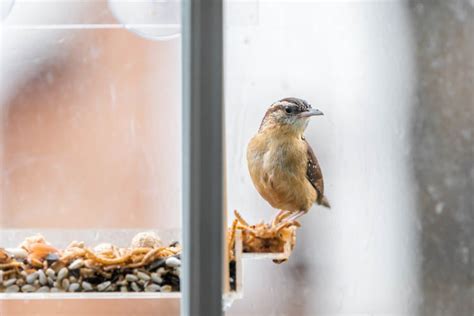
pixel 203 163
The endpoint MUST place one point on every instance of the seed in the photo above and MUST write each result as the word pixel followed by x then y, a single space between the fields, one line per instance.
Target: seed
pixel 42 277
pixel 52 258
pixel 131 278
pixel 135 287
pixel 28 288
pixel 103 286
pixel 72 279
pixel 111 288
pixel 173 262
pixel 50 281
pixel 143 276
pixel 56 290
pixel 76 264
pixel 161 271
pixel 141 283
pixel 152 288
pixel 12 289
pixel 122 283
pixel 50 273
pixel 43 289
pixel 30 279
pixel 20 282
pixel 74 287
pixel 9 282
pixel 157 264
pixel 65 284
pixel 123 288
pixel 86 272
pixel 62 273
pixel 87 286
pixel 1 277
pixel 156 278
pixel 166 288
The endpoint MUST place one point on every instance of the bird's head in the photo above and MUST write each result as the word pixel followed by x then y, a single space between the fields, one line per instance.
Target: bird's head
pixel 291 113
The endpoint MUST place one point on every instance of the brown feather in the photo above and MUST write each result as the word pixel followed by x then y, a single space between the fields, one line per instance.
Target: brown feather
pixel 315 175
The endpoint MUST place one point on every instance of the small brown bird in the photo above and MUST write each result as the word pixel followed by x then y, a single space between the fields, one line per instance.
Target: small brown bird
pixel 282 164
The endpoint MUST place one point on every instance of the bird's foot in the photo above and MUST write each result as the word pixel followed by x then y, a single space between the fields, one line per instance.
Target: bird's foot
pixel 292 217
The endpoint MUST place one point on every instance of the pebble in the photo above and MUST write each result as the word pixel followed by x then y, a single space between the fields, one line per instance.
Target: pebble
pixel 156 278
pixel 65 284
pixel 12 289
pixel 123 288
pixel 31 278
pixel 20 282
pixel 87 286
pixel 1 277
pixel 62 273
pixel 135 287
pixel 173 262
pixel 76 264
pixel 43 289
pixel 18 253
pixel 9 282
pixel 50 281
pixel 103 286
pixel 28 288
pixel 42 277
pixel 72 279
pixel 50 273
pixel 166 288
pixel 55 290
pixel 131 278
pixel 74 287
pixel 152 288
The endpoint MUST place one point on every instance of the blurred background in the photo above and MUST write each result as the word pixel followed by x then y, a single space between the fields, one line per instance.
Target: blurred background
pixel 91 139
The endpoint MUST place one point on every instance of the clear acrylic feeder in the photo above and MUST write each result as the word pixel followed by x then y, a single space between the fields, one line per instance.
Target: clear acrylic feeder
pixel 85 151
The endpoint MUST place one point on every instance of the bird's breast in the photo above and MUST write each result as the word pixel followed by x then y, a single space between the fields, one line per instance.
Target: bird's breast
pixel 277 166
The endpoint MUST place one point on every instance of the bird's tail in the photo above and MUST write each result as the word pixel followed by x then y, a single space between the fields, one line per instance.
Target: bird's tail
pixel 324 202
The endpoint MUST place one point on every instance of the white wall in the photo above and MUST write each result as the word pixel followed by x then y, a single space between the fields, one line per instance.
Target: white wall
pixel 355 62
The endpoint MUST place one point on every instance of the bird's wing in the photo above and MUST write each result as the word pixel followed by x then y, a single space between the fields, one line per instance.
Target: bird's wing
pixel 314 174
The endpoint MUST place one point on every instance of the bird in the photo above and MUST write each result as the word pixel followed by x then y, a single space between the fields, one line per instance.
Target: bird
pixel 281 162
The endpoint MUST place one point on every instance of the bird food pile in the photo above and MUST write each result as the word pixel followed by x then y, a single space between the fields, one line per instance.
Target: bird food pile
pixel 37 266
pixel 264 237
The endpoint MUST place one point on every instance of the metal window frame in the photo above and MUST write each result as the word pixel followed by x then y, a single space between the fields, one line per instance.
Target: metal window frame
pixel 203 218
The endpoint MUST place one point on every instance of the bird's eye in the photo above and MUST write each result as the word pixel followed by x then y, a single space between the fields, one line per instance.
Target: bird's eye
pixel 288 110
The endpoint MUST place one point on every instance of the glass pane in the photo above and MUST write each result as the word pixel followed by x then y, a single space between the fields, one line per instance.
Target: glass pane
pixel 394 80
pixel 90 139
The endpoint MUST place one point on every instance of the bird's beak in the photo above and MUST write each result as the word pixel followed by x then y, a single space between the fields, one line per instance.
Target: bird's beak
pixel 311 112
